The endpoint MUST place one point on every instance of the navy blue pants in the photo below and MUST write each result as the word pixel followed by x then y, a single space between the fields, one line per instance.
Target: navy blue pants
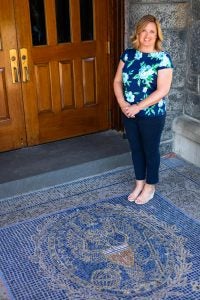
pixel 144 135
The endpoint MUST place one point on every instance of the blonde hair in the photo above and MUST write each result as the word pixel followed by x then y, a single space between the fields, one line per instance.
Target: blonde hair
pixel 142 23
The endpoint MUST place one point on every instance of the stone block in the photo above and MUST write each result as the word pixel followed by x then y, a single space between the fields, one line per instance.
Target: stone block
pixel 193 83
pixel 165 147
pixel 186 142
pixel 187 149
pixel 179 75
pixel 175 43
pixel 196 9
pixel 187 127
pixel 194 48
pixel 192 105
pixel 174 109
pixel 175 101
pixel 167 132
pixel 171 15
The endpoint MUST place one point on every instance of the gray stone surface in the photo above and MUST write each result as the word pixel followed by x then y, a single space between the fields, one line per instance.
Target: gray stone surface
pixel 187 149
pixel 171 15
pixel 187 127
pixel 175 101
pixel 193 83
pixel 175 42
pixel 196 9
pixel 192 99
pixel 167 133
pixel 186 141
pixel 194 47
pixel 179 75
pixel 166 147
pixel 44 165
pixel 192 105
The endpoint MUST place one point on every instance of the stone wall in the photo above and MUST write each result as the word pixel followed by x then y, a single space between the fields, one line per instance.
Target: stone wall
pixel 186 137
pixel 192 100
pixel 175 16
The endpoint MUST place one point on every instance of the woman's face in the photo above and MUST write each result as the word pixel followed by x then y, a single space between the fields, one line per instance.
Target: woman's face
pixel 148 36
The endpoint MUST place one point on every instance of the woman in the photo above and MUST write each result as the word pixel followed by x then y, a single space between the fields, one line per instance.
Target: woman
pixel 142 81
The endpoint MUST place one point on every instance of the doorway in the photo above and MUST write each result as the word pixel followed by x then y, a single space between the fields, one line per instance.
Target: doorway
pixel 54 70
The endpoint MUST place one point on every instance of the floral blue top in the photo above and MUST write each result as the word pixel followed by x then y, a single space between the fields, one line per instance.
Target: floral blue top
pixel 139 77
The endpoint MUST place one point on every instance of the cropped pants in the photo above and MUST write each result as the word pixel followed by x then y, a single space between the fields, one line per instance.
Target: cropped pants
pixel 144 134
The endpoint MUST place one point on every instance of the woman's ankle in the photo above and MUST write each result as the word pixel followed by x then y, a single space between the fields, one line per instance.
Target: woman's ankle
pixel 149 187
pixel 139 183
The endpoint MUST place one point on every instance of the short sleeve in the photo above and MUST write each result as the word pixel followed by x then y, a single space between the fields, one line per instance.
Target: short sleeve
pixel 124 56
pixel 165 61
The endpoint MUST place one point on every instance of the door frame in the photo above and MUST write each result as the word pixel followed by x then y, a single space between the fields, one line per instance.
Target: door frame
pixel 116 38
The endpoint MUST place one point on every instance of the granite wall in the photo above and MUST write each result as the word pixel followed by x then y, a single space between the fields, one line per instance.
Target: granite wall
pixel 180 22
pixel 192 100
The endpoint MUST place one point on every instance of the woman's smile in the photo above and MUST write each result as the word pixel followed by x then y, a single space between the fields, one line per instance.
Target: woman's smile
pixel 147 37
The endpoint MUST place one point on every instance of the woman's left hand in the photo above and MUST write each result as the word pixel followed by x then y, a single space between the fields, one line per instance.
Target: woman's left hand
pixel 132 110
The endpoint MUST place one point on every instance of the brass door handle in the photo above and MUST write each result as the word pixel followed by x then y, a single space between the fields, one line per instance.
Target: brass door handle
pixel 14 66
pixel 24 64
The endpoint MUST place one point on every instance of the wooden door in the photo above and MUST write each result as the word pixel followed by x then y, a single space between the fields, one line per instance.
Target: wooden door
pixel 66 92
pixel 63 74
pixel 12 125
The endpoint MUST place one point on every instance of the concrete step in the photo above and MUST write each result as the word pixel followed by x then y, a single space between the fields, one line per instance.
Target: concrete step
pixel 38 167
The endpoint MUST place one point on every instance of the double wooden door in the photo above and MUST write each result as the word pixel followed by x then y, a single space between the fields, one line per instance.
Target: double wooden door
pixel 53 70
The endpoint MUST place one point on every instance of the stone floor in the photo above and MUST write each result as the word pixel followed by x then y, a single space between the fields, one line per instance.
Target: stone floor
pixel 57 163
pixel 51 164
pixel 50 237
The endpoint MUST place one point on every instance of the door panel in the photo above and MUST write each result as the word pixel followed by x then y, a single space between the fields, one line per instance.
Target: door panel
pixel 12 125
pixel 67 94
pixel 62 85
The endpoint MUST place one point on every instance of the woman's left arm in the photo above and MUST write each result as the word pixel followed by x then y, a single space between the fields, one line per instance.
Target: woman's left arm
pixel 164 81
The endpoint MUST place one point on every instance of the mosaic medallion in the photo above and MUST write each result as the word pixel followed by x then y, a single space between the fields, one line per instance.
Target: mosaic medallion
pixel 110 251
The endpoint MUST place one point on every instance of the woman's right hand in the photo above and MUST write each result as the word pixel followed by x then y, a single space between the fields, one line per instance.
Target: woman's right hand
pixel 132 110
pixel 124 109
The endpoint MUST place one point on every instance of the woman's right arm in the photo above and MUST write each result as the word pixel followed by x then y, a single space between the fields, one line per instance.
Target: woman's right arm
pixel 118 88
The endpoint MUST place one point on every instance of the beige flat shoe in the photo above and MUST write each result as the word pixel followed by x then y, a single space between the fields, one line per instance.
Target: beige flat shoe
pixel 132 197
pixel 142 199
pixel 137 190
